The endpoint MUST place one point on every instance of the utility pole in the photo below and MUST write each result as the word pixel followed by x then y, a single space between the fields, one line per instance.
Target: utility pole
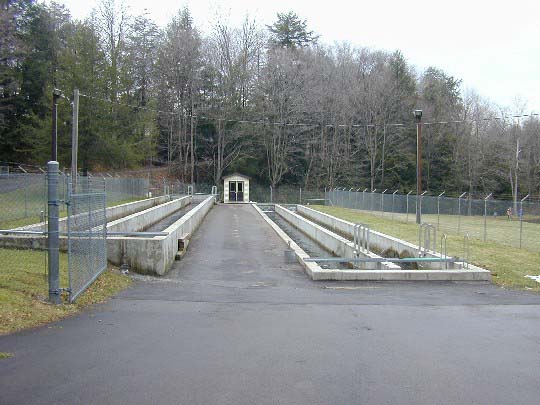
pixel 75 136
pixel 418 117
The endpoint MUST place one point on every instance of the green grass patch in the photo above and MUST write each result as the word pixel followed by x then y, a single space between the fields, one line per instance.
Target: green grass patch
pixel 508 265
pixel 5 355
pixel 24 290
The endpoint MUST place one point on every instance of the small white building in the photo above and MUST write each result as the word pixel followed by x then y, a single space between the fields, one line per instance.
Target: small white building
pixel 235 189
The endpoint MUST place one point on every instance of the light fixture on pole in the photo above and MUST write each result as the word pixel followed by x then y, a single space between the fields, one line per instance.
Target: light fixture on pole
pixel 418 118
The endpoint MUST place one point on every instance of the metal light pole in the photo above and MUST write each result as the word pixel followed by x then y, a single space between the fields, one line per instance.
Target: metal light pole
pixel 75 136
pixel 418 118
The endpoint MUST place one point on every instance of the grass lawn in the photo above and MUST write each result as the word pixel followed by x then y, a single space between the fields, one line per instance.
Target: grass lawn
pixel 23 290
pixel 499 229
pixel 508 265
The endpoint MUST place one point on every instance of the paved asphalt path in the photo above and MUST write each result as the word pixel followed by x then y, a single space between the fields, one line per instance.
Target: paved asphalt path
pixel 232 324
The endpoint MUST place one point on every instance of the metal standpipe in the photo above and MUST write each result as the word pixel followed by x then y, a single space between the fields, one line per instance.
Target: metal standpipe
pixel 53 236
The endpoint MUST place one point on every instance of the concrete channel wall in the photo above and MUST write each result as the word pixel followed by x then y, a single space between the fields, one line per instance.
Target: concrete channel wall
pixel 156 255
pixel 331 241
pixel 378 240
pixel 143 219
pixel 382 242
pixel 113 213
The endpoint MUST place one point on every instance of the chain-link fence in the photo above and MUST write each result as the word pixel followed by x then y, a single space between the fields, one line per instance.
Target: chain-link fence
pixel 23 196
pixel 511 223
pixel 87 232
pixel 284 194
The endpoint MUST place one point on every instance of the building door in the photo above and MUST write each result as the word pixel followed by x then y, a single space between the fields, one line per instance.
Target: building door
pixel 232 190
pixel 236 191
pixel 240 191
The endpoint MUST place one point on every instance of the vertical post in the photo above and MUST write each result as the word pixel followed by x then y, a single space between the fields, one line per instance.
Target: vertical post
pixel 393 202
pixel 438 210
pixel 407 203
pixel 382 202
pixel 350 198
pixel 53 237
pixel 25 195
pixel 520 214
pixel 75 136
pixel 418 117
pixel 459 211
pixel 54 133
pixel 372 199
pixel 271 196
pixel 364 199
pixel 300 195
pixel 485 215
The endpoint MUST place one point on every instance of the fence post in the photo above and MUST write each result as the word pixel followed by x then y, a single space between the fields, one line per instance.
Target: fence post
pixel 459 211
pixel 372 199
pixel 438 210
pixel 420 203
pixel 485 215
pixel 393 202
pixel 271 196
pixel 364 199
pixel 25 195
pixel 350 199
pixel 407 200
pixel 53 237
pixel 382 202
pixel 520 213
pixel 300 195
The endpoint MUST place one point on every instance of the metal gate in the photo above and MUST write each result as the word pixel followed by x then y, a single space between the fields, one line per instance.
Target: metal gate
pixel 87 233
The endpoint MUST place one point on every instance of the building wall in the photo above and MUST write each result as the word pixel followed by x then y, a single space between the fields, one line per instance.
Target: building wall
pixel 226 187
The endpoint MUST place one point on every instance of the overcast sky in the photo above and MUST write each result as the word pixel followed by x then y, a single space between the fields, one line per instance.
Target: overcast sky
pixel 492 46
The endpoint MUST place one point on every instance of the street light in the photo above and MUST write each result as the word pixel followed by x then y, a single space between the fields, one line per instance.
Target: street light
pixel 418 118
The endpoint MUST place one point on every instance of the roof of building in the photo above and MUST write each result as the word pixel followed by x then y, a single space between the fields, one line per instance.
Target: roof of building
pixel 236 174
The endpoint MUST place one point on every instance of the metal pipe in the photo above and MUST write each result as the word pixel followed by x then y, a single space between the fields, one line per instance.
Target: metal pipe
pixel 418 116
pixel 53 238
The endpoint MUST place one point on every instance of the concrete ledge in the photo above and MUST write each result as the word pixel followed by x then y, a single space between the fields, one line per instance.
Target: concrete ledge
pixel 140 220
pixel 313 270
pixel 331 241
pixel 156 255
pixel 378 240
pixel 310 268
